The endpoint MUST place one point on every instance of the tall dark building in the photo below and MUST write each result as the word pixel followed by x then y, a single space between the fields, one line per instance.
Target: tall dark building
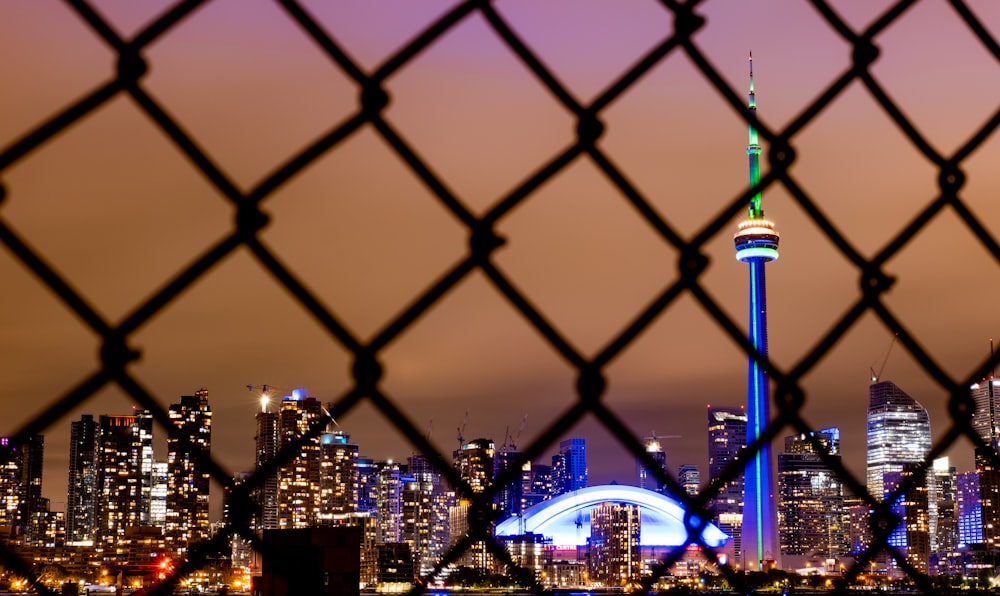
pixel 266 442
pixel 189 443
pixel 81 492
pixel 539 486
pixel 569 467
pixel 811 517
pixel 727 432
pixel 509 499
pixel 644 478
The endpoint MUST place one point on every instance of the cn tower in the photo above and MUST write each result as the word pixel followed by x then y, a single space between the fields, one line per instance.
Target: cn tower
pixel 757 244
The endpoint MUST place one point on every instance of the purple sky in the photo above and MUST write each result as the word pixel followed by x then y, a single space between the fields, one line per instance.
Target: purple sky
pixel 117 209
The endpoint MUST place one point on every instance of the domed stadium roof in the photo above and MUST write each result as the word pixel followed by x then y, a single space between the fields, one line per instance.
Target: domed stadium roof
pixel 566 518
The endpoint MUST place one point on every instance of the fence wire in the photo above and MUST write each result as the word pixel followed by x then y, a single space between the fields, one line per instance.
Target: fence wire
pixel 117 353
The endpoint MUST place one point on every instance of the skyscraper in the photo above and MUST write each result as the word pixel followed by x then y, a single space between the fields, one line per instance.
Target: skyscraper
pixel 912 536
pixel 899 432
pixel 338 483
pixel 615 556
pixel 21 485
pixel 757 244
pixel 124 492
pixel 572 463
pixel 510 496
pixel 267 441
pixel 970 514
pixel 986 423
pixel 426 503
pixel 474 463
pixel 189 443
pixel 811 516
pixel 298 477
pixel 986 418
pixel 644 478
pixel 81 491
pixel 727 436
pixel 941 507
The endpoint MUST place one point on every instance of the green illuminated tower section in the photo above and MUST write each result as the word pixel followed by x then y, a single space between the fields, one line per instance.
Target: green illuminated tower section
pixel 757 244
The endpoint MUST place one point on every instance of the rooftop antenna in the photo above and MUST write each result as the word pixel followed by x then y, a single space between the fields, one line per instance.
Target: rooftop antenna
pixel 993 364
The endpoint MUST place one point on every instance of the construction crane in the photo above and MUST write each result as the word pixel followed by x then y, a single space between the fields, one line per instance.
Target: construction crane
pixel 461 430
pixel 510 442
pixel 520 429
pixel 265 393
pixel 876 375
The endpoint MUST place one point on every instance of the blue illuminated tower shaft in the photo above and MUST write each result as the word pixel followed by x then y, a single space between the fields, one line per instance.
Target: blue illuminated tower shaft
pixel 756 244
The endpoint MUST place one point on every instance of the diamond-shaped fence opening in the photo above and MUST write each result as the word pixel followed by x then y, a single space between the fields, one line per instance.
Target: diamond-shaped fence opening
pixel 485 203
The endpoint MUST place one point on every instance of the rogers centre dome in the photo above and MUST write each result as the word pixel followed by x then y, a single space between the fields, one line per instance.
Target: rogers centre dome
pixel 566 518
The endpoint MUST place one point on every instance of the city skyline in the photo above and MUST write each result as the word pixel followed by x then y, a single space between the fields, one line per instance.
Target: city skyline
pixel 671 135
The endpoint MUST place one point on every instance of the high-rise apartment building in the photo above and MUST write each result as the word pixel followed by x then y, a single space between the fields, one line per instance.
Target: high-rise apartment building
pixel 82 487
pixel 811 517
pixel 727 432
pixel 474 462
pixel 426 503
pixel 942 506
pixel 21 501
pixel 338 483
pixel 267 441
pixel 615 556
pixel 389 502
pixel 289 496
pixel 189 443
pixel 646 479
pixel 899 433
pixel 912 536
pixel 124 492
pixel 298 477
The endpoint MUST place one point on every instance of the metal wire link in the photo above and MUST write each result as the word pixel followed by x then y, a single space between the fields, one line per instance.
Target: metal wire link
pixel 117 354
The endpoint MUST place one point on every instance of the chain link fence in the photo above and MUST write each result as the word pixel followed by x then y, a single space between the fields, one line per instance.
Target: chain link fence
pixel 117 352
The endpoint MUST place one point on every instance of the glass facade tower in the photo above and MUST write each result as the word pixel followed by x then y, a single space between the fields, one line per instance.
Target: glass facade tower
pixel 899 432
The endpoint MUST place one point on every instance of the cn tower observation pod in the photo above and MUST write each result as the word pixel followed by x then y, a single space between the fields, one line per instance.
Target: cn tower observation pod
pixel 566 518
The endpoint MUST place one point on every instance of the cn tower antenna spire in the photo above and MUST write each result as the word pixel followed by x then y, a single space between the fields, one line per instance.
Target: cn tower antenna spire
pixel 753 151
pixel 757 244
